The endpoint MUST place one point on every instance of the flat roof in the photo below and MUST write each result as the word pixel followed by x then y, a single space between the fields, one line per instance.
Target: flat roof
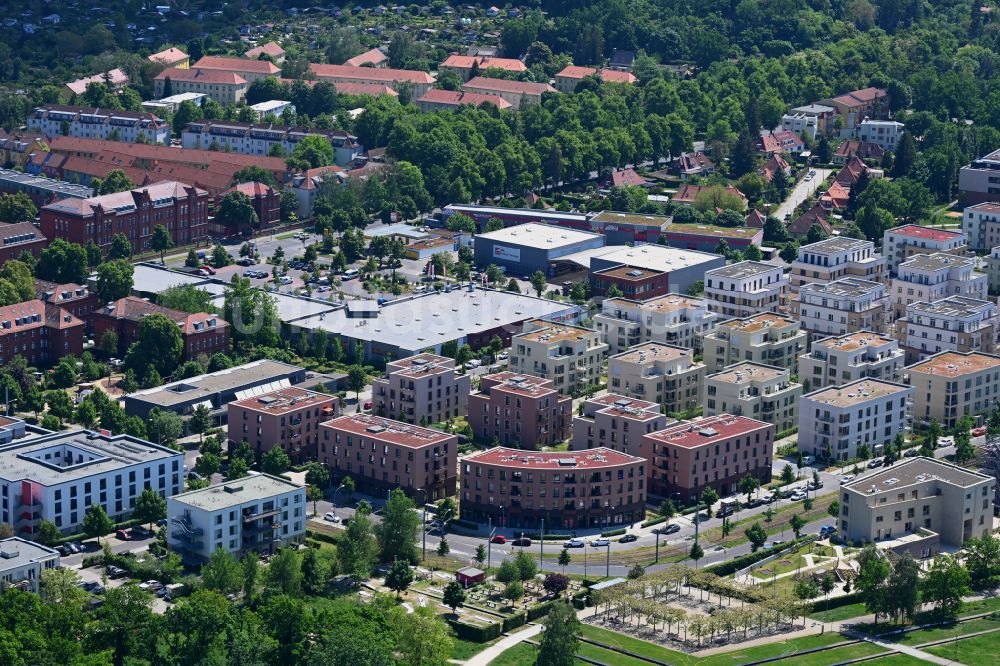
pixel 706 431
pixel 743 270
pixel 857 392
pixel 849 287
pixel 854 341
pixel 207 385
pixel 499 211
pixel 836 244
pixel 956 364
pixel 514 382
pixel 535 235
pixel 628 273
pixel 253 488
pixel 551 333
pixel 421 364
pixel 953 306
pixel 631 408
pixel 649 352
pixel 668 303
pixel 387 430
pixel 757 322
pixel 713 231
pixel 632 219
pixel 590 459
pixel 60 187
pixel 660 258
pixel 913 471
pixel 917 231
pixel 400 229
pixel 94 453
pixel 936 261
pixel 284 400
pixel 155 279
pixel 986 206
pixel 746 372
pixel 290 308
pixel 16 552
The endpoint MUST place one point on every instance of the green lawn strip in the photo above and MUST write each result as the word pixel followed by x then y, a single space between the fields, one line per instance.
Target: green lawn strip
pixel 838 614
pixel 980 606
pixel 834 656
pixel 521 654
pixel 980 650
pixel 636 646
pixel 920 636
pixel 608 656
pixel 894 660
pixel 463 650
pixel 773 649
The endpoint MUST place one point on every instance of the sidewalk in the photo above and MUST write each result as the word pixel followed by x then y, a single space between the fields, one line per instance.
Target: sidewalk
pixel 494 651
pixel 912 652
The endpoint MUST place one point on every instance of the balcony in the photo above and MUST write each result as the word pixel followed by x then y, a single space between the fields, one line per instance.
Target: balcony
pixel 249 517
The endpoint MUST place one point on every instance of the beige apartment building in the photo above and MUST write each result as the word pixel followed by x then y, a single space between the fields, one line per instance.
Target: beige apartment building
pixel 917 505
pixel 223 87
pixel 287 418
pixel 931 277
pixel 423 389
pixel 951 384
pixel 836 258
pixel 901 243
pixel 842 359
pixel 844 306
pixel 673 319
pixel 659 373
pixel 572 357
pixel 993 270
pixel 762 392
pixel 745 288
pixel 769 339
pixel 619 423
pixel 956 323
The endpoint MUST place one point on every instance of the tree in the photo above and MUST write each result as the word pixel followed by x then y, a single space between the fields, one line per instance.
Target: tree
pixel 507 573
pixel 558 645
pixel 149 507
pixel 903 588
pixel 905 156
pixel 238 468
pixel 667 509
pixel 397 532
pixel 964 450
pixel 121 248
pixel 114 280
pixel 399 577
pixel 757 536
pixel 357 550
pixel 422 639
pixel 748 485
pixel 60 586
pixel 207 464
pixel 873 574
pixel 236 212
pixel 200 422
pixel 275 461
pixel 62 262
pixel 16 208
pixel 311 153
pixel 454 595
pixel 834 509
pixel 696 553
pixel 164 427
pixel 787 474
pixel 480 555
pixel 824 152
pixel 254 174
pixel 447 511
pixel 555 583
pixel 115 181
pixel 538 282
pixel 96 522
pixel 443 547
pixel 250 569
pixel 945 585
pixel 48 533
pixel 284 573
pixel 709 497
pixel 526 568
pixel 797 523
pixel 161 240
pixel 159 345
pixel 222 572
pixel 806 589
pixel 514 590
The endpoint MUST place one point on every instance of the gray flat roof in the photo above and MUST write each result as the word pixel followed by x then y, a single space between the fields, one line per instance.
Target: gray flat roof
pixel 150 278
pixel 743 269
pixel 26 458
pixel 836 244
pixel 844 287
pixel 16 552
pixel 935 262
pixel 253 488
pixel 916 470
pixel 401 229
pixel 60 187
pixel 290 308
pixel 185 390
pixel 953 306
pixel 541 236
pixel 662 258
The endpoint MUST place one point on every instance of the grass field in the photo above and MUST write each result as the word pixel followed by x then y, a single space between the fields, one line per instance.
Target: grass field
pixel 921 636
pixel 980 650
pixel 894 660
pixel 466 649
pixel 833 656
pixel 842 613
pixel 521 654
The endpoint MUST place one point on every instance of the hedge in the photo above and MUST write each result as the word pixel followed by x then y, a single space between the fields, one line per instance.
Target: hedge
pixel 837 602
pixel 540 610
pixel 730 567
pixel 475 633
pixel 467 524
pixel 514 621
pixel 323 536
pixel 654 521
pixel 548 537
pixel 613 533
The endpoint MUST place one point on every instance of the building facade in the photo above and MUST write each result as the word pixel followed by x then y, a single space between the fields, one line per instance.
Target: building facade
pixel 418 82
pixel 842 359
pixel 287 418
pixel 673 319
pixel 931 277
pixel 39 332
pixel 203 333
pixel 956 323
pixel 22 563
pixel 981 222
pixel 517 93
pixel 845 306
pixel 836 258
pixel 92 123
pixel 223 87
pixel 571 357
pixel 615 422
pixel 744 289
pixel 423 389
pixel 950 385
pixel 769 339
pixel 902 243
pixel 883 133
pixel 762 392
pixel 20 237
pixel 261 138
pixel 526 248
pixel 664 374
pixel 520 410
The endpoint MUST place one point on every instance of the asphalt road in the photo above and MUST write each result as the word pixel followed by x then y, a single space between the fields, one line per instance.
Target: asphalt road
pixel 802 190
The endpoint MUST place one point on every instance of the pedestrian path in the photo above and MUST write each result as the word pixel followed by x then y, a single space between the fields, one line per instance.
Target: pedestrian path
pixel 504 644
pixel 912 652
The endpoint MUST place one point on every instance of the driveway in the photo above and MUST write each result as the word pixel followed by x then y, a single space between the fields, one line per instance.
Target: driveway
pixel 802 191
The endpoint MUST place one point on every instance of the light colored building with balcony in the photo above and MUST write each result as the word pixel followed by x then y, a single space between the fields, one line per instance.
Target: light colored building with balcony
pixel 673 319
pixel 845 306
pixel 842 359
pixel 762 392
pixel 951 384
pixel 956 323
pixel 993 270
pixel 770 339
pixel 745 288
pixel 423 389
pixel 902 243
pixel 931 277
pixel 884 133
pixel 930 499
pixel 836 258
pixel 618 423
pixel 659 373
pixel 258 513
pixel 570 356
pixel 835 422
pixel 22 563
pixel 981 221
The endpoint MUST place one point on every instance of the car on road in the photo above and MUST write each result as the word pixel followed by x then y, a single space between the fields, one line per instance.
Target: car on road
pixel 877 462
pixel 827 530
pixel 434 526
pixel 798 496
pixel 813 485
pixel 330 516
pixel 123 535
pixel 522 542
pixel 64 550
pixel 846 479
pixel 574 543
pixel 202 272
pixel 754 502
pixel 628 538
pixel 474 363
pixel 911 452
pixel 208 269
pixel 498 538
pixel 600 543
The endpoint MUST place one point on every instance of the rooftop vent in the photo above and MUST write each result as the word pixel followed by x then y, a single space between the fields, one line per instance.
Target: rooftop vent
pixel 9 553
pixel 232 489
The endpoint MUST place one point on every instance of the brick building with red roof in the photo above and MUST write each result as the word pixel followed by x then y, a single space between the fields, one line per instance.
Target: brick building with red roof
pixel 265 201
pixel 521 410
pixel 567 79
pixel 287 418
pixel 203 333
pixel 39 332
pixel 420 82
pixel 371 58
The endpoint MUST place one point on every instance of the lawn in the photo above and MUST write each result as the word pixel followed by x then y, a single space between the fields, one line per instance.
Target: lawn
pixel 921 636
pixel 981 606
pixel 772 650
pixel 834 656
pixel 521 654
pixel 467 649
pixel 838 614
pixel 784 565
pixel 982 649
pixel 634 645
pixel 895 660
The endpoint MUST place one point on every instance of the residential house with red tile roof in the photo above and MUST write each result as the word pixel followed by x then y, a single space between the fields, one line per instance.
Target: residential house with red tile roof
pixel 854 148
pixel 781 141
pixel 373 58
pixel 517 93
pixel 224 87
pixel 116 78
pixel 816 215
pixel 755 219
pixel 836 197
pixel 203 333
pixel 38 332
pixel 627 178
pixel 774 163
pixel 17 147
pixel 687 194
pixel 570 77
pixel 854 106
pixel 418 82
pixel 689 165
pixel 250 70
pixel 171 57
pixel 437 100
pixel 272 50
pixel 467 67
pixel 851 171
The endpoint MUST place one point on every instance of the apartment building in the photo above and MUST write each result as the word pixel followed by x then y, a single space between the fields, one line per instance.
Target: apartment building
pixel 842 359
pixel 20 237
pixel 744 289
pixel 931 277
pixel 978 183
pixel 93 123
pixel 951 384
pixel 801 124
pixel 114 79
pixel 22 563
pixel 902 243
pixel 260 138
pixel 449 100
pixel 221 86
pixel 762 392
pixel 258 513
pixel 571 76
pixel 517 93
pixel 566 489
pixel 883 133
pixel 956 323
pixel 40 189
pixel 981 221
pixel 615 422
pixel 673 319
pixel 287 418
pixel 993 270
pixel 768 338
pixel 203 333
pixel 570 356
pixel 939 503
pixel 423 389
pixel 467 67
pixel 182 209
pixel 381 455
pixel 857 105
pixel 835 258
pixel 170 57
pixel 713 452
pixel 520 410
pixel 251 70
pixel 834 422
pixel 418 82
pixel 845 306
pixel 664 374
pixel 39 332
pixel 58 476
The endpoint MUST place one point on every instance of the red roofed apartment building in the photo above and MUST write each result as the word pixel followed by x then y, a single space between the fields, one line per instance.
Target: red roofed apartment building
pixel 467 67
pixel 436 100
pixel 782 141
pixel 380 455
pixel 714 452
pixel 520 410
pixel 265 201
pixel 222 86
pixel 855 106
pixel 901 243
pixel 570 77
pixel 517 93
pixel 250 70
pixel 288 418
pixel 372 58
pixel 171 57
pixel 41 333
pixel 420 82
pixel 75 299
pixel 20 237
pixel 272 50
pixel 182 209
pixel 203 333
pixel 567 489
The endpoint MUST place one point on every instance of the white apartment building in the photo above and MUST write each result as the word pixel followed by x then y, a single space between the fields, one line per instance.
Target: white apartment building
pixel 745 288
pixel 835 258
pixel 884 133
pixel 981 225
pixel 22 563
pixel 259 139
pixel 258 512
pixel 571 356
pixel 768 338
pixel 674 319
pixel 901 243
pixel 835 421
pixel 842 359
pixel 931 277
pixel 91 123
pixel 956 323
pixel 800 123
pixel 993 270
pixel 951 384
pixel 762 392
pixel 619 423
pixel 844 306
pixel 57 476
pixel 659 373
pixel 275 107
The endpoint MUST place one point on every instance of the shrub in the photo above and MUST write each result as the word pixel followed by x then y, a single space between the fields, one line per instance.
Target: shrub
pixel 654 521
pixel 475 633
pixel 613 533
pixel 514 621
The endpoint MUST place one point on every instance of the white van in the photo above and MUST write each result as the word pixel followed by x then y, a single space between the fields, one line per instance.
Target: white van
pixel 350 274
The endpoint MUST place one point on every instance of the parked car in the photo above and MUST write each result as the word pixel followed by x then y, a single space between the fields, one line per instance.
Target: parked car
pixel 600 543
pixel 813 485
pixel 827 530
pixel 208 269
pixel 523 542
pixel 808 460
pixel 97 588
pixel 139 532
pixel 574 543
pixel 368 405
pixel 330 516
pixel 798 496
pixel 877 462
pixel 628 538
pixel 434 526
pixel 498 538
pixel 123 535
pixel 115 572
pixel 202 272
pixel 755 502
pixel 911 452
pixel 64 550
pixel 474 363
pixel 846 479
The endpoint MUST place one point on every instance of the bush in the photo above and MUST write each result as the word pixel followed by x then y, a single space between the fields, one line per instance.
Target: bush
pixel 654 521
pixel 474 633
pixel 730 567
pixel 540 610
pixel 323 536
pixel 613 533
pixel 837 602
pixel 514 621
pixel 93 561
